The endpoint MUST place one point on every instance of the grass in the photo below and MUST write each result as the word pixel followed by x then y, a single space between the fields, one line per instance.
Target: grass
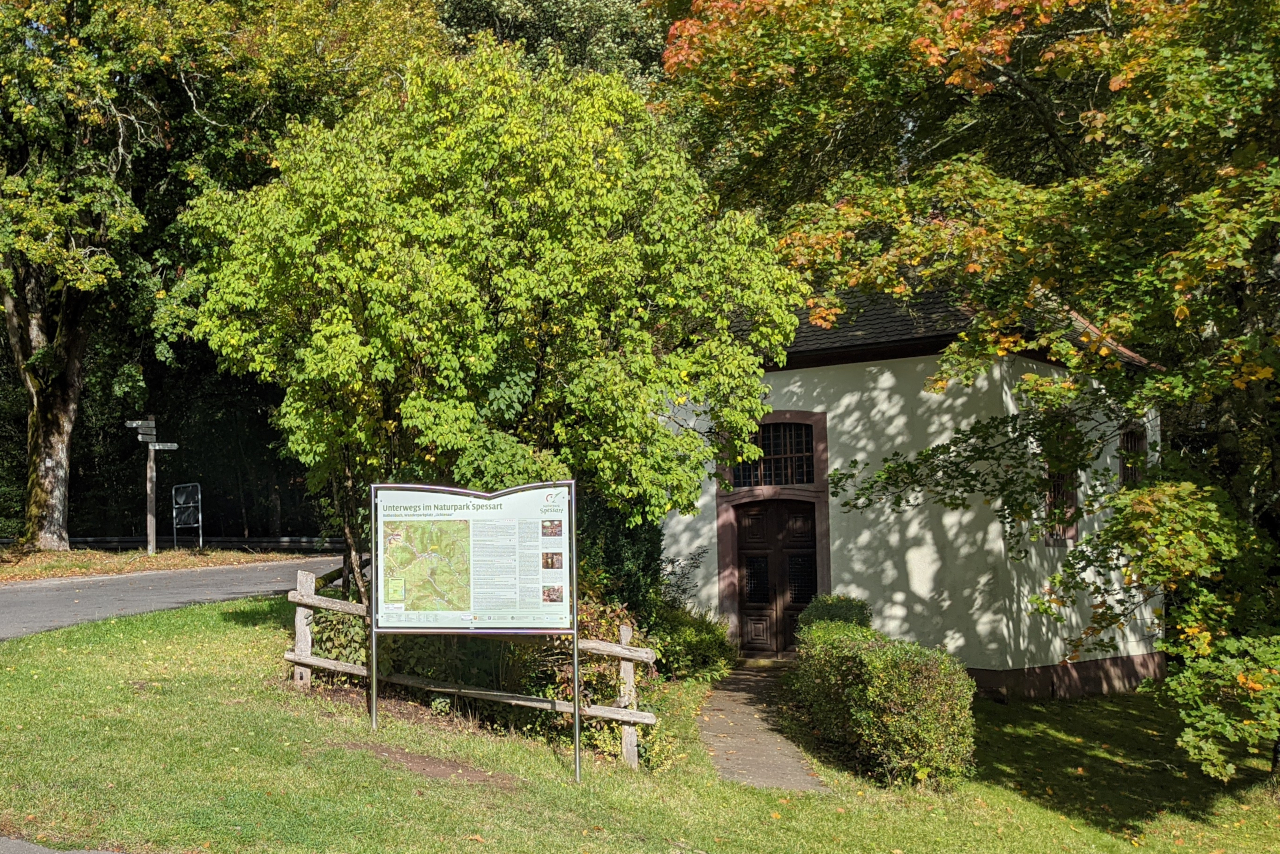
pixel 28 566
pixel 174 732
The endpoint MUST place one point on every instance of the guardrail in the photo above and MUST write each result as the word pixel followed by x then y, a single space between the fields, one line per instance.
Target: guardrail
pixel 623 709
pixel 257 544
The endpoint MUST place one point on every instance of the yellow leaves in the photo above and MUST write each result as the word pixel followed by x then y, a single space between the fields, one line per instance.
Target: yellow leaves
pixel 1181 313
pixel 1250 372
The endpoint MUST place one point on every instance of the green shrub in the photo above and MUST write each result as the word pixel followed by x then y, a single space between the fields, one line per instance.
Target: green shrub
pixel 691 644
pixel 830 607
pixel 899 711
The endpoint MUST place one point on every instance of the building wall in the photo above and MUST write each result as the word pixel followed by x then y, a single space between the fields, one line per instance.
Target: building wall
pixel 1028 575
pixel 933 575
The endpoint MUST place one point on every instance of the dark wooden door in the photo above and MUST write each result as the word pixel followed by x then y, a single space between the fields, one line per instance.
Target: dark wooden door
pixel 777 572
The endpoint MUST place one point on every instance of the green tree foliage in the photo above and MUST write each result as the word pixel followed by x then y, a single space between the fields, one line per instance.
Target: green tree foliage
pixel 615 36
pixel 1092 179
pixel 112 115
pixel 493 276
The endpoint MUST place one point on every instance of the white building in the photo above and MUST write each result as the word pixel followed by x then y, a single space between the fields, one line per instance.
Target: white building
pixel 932 575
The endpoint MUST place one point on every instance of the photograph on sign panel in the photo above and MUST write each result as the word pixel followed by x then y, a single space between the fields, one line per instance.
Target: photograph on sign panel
pixel 552 528
pixel 553 560
pixel 553 593
pixel 428 564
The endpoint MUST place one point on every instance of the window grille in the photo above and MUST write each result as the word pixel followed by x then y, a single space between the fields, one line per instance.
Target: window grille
pixel 1062 500
pixel 788 457
pixel 802 578
pixel 758 592
pixel 1133 454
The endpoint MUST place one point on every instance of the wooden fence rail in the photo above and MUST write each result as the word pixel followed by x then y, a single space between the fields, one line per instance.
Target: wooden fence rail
pixel 624 709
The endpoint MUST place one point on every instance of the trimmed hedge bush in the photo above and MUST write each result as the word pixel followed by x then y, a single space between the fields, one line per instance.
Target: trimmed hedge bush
pixel 836 609
pixel 899 711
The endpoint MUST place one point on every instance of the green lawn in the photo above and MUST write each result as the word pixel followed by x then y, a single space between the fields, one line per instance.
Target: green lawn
pixel 174 732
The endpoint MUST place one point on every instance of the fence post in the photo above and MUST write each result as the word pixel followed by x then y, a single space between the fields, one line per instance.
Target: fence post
pixel 302 630
pixel 627 670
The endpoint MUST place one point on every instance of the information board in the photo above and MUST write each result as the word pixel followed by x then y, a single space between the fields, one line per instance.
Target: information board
pixel 450 560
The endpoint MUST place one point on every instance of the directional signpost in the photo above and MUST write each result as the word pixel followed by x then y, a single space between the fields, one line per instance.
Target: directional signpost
pixel 147 433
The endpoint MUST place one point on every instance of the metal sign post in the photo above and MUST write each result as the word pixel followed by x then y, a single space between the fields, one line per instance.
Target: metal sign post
pixel 454 561
pixel 147 433
pixel 187 511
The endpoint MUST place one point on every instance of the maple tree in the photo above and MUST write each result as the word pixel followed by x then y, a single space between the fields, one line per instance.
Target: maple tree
pixel 1098 183
pixel 493 276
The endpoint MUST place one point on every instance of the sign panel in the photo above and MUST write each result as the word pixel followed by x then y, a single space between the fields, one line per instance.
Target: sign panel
pixel 163 446
pixel 451 560
pixel 185 494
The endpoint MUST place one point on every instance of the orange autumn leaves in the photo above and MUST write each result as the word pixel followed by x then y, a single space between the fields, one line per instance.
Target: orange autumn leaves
pixel 968 40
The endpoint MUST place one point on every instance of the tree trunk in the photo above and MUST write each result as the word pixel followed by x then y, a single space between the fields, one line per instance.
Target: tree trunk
pixel 347 512
pixel 53 414
pixel 47 337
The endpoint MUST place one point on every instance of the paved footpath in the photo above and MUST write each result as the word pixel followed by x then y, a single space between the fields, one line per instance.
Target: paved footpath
pixel 27 607
pixel 739 729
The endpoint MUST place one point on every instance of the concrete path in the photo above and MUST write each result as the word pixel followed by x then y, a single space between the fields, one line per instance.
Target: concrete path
pixel 738 727
pixel 27 607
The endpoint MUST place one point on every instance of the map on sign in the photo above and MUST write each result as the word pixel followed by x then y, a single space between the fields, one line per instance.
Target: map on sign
pixel 428 565
pixel 449 560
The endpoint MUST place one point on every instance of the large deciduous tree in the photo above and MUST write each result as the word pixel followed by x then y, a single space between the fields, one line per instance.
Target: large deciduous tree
pixel 112 114
pixel 1091 179
pixel 493 275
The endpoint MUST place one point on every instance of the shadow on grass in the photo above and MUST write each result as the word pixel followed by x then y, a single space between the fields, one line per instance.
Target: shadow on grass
pixel 276 612
pixel 1112 762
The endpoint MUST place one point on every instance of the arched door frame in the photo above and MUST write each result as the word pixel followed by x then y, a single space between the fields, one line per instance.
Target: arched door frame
pixel 816 492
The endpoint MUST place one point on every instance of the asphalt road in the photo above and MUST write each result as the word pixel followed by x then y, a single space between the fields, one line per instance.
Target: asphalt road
pixel 27 607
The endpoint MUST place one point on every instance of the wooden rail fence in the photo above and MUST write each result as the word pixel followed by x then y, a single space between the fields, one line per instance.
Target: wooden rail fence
pixel 623 710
